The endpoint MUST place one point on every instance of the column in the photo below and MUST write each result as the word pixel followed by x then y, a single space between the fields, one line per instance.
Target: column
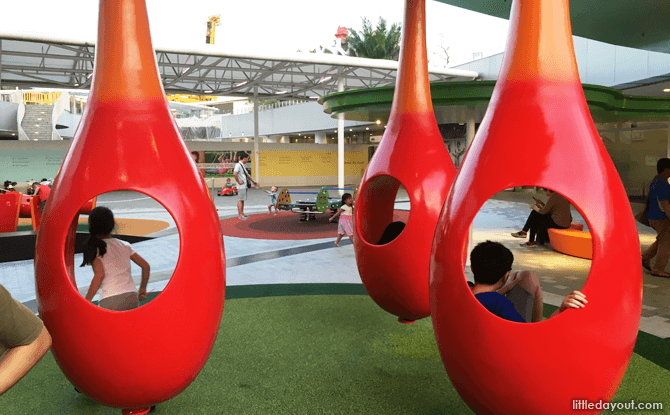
pixel 340 135
pixel 257 153
pixel 469 136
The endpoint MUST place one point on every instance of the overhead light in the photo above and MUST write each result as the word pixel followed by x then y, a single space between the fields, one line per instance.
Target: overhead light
pixel 280 92
pixel 299 135
pixel 34 139
pixel 314 97
pixel 37 125
pixel 76 84
pixel 324 79
pixel 666 90
pixel 379 122
pixel 351 129
pixel 334 131
pixel 39 119
pixel 207 91
pixel 367 128
pixel 89 75
pixel 242 83
pixel 13 133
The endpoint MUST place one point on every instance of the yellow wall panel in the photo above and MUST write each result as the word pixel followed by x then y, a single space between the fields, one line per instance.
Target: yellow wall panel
pixel 310 163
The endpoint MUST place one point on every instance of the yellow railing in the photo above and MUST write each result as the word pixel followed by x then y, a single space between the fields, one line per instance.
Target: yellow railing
pixel 47 98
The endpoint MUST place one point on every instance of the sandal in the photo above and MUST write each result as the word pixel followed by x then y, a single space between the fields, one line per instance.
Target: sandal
pixel 520 234
pixel 661 274
pixel 529 244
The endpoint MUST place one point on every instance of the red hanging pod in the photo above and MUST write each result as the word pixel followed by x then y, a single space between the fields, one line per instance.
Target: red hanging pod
pixel 411 153
pixel 128 140
pixel 538 131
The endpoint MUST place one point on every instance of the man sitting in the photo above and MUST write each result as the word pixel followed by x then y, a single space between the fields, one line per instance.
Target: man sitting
pixel 518 298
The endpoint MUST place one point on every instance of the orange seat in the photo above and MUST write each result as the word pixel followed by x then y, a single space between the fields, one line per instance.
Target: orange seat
pixel 572 242
pixel 10 204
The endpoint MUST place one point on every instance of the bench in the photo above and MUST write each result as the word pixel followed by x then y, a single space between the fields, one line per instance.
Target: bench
pixel 572 241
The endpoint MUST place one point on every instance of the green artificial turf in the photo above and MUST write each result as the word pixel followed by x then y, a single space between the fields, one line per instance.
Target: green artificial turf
pixel 309 354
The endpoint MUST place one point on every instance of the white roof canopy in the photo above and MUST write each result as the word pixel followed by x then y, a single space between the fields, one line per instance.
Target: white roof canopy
pixel 28 60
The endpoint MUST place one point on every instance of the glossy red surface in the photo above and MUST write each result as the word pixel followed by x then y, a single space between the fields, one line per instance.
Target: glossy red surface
pixel 413 154
pixel 538 115
pixel 128 140
pixel 24 211
pixel 10 204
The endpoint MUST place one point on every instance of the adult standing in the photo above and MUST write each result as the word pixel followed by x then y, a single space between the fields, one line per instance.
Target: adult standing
pixel 244 181
pixel 659 220
pixel 42 191
pixel 23 340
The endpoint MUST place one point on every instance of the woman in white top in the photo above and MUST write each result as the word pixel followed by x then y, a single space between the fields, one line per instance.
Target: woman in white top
pixel 110 259
pixel 346 222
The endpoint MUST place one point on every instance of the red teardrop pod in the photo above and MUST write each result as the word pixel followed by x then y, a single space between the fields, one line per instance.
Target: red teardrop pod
pixel 411 153
pixel 538 114
pixel 128 140
pixel 10 206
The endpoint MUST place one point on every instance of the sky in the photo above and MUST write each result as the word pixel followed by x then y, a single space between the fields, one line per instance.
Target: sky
pixel 265 26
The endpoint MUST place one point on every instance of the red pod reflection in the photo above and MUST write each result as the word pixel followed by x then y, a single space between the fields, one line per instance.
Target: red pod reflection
pixel 538 114
pixel 128 139
pixel 411 153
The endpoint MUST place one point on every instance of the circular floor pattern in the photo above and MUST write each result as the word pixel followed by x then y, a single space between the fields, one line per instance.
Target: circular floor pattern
pixel 286 226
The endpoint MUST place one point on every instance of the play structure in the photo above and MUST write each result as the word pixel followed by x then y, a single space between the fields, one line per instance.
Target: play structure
pixel 227 191
pixel 395 284
pixel 309 208
pixel 10 205
pixel 499 366
pixel 30 208
pixel 130 359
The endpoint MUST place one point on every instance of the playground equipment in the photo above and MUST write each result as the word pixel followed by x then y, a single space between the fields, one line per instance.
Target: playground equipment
pixel 10 204
pixel 227 191
pixel 499 366
pixel 397 285
pixel 310 207
pixel 137 358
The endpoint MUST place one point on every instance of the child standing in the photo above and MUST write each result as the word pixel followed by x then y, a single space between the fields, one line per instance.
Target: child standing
pixel 346 223
pixel 110 259
pixel 273 200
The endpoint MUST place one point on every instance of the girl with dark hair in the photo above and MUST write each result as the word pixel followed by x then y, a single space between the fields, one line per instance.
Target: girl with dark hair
pixel 346 223
pixel 110 259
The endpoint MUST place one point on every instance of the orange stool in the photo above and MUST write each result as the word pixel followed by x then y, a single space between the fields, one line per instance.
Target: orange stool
pixel 572 241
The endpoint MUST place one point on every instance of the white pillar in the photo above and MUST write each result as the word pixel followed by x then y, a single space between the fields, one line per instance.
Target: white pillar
pixel 320 138
pixel 256 138
pixel 340 135
pixel 469 136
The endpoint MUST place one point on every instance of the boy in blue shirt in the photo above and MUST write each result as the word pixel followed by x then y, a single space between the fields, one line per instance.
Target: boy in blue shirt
pixel 659 213
pixel 491 263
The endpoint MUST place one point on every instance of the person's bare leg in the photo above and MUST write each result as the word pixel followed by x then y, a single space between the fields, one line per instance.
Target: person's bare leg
pixel 240 208
pixel 530 282
pixel 650 253
pixel 337 241
pixel 270 209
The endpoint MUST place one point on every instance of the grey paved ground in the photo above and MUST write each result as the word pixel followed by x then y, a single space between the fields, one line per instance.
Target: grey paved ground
pixel 252 261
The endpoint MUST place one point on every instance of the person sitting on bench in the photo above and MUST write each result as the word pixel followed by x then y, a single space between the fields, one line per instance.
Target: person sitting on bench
pixel 517 297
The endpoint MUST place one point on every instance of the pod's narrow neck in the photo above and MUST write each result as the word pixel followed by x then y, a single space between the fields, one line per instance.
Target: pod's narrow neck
pixel 125 64
pixel 412 91
pixel 539 43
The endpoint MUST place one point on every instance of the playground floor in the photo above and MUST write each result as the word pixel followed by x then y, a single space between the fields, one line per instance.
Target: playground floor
pixel 298 268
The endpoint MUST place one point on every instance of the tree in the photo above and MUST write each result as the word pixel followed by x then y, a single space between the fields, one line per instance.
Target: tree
pixel 380 43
